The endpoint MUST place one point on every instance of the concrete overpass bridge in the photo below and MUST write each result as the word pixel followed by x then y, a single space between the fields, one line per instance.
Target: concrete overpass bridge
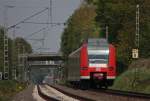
pixel 40 66
pixel 44 56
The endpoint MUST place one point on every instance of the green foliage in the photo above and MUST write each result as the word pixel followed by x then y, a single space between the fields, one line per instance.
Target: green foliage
pixel 19 46
pixel 145 40
pixel 92 1
pixel 81 25
pixel 136 80
pixel 22 45
pixel 147 90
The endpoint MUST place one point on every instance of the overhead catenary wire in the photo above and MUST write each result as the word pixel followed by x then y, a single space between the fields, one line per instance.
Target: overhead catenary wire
pixel 46 23
pixel 34 33
pixel 27 18
pixel 25 6
pixel 40 39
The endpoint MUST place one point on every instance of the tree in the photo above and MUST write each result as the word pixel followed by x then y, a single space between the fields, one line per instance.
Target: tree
pixel 20 46
pixel 81 26
pixel 120 16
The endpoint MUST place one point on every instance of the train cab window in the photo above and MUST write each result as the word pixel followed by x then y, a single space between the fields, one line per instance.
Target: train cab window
pixel 98 58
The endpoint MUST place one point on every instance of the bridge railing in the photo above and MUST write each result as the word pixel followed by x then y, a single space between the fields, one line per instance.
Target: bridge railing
pixel 45 62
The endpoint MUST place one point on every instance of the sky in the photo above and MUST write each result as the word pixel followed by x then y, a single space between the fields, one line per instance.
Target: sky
pixel 14 11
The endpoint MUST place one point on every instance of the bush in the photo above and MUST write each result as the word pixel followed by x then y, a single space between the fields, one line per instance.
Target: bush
pixel 147 90
pixel 2 98
pixel 136 80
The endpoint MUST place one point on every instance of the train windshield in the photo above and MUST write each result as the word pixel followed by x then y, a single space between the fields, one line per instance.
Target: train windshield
pixel 98 58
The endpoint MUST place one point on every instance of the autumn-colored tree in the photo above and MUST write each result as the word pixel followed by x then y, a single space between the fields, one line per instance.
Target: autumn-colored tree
pixel 81 25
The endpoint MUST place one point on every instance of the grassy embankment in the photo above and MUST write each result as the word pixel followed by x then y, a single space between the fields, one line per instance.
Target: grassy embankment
pixel 9 88
pixel 136 78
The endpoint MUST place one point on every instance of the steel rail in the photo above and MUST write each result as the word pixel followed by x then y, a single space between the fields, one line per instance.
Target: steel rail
pixel 44 96
pixel 71 95
pixel 114 93
pixel 122 93
pixel 108 92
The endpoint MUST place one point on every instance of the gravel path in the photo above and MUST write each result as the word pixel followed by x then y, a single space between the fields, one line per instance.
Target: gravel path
pixel 25 95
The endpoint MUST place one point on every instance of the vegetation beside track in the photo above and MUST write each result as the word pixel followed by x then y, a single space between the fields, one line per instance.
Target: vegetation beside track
pixel 136 78
pixel 9 88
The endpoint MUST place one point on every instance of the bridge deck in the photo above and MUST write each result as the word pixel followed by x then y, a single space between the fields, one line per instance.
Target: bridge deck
pixel 44 56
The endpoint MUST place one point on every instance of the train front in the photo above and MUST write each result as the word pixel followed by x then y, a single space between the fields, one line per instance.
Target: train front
pixel 101 62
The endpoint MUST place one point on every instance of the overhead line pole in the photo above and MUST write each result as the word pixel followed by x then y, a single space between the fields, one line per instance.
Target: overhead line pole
pixel 135 52
pixel 44 36
pixel 13 54
pixel 137 27
pixel 6 56
pixel 51 16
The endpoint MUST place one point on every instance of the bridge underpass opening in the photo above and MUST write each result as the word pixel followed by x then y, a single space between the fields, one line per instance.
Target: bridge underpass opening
pixel 40 75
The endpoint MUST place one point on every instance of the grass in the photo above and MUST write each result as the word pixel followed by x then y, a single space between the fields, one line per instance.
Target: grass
pixel 9 88
pixel 136 80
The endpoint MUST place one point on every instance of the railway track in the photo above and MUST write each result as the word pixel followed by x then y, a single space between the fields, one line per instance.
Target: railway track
pixel 104 95
pixel 92 94
pixel 80 98
pixel 44 96
pixel 56 96
pixel 120 95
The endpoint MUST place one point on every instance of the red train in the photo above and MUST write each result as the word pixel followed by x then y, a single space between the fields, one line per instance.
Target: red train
pixel 93 64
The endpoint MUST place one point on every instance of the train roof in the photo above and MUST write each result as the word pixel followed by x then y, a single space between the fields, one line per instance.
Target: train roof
pixel 97 43
pixel 94 43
